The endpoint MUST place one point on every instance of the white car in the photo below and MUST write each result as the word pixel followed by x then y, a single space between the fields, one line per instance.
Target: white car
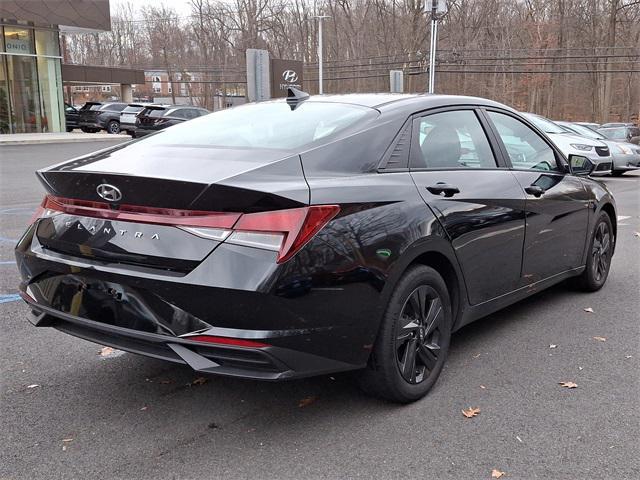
pixel 595 150
pixel 625 155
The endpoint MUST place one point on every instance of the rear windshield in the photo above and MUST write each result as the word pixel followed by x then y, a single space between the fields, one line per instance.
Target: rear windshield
pixel 154 112
pixel 266 125
pixel 132 109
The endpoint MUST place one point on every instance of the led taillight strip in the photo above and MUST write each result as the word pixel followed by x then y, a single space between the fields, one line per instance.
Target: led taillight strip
pixel 134 213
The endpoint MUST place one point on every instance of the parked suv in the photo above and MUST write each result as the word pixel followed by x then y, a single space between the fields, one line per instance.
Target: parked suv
pixel 96 116
pixel 157 117
pixel 569 144
pixel 128 117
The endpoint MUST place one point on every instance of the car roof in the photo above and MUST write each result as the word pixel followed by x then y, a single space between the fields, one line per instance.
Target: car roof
pixel 414 101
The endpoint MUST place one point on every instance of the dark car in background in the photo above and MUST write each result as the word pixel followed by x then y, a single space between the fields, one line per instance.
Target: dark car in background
pixel 298 237
pixel 96 116
pixel 71 117
pixel 158 117
pixel 625 133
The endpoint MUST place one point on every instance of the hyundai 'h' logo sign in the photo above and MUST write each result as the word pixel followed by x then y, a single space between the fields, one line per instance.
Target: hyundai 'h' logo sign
pixel 290 76
pixel 109 192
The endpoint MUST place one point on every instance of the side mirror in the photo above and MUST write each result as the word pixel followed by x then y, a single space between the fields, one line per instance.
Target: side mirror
pixel 581 166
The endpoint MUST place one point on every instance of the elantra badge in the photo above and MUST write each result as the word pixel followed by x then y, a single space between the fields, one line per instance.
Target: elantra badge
pixel 109 192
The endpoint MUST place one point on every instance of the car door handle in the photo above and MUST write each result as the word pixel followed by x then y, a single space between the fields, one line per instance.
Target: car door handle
pixel 441 187
pixel 535 190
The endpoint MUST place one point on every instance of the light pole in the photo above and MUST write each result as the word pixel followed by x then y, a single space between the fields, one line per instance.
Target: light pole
pixel 438 10
pixel 320 18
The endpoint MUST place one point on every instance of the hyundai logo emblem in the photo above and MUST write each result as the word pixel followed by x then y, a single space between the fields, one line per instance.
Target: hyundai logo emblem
pixel 109 192
pixel 290 76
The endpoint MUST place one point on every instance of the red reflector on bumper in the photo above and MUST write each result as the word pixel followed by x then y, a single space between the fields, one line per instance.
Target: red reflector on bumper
pixel 236 342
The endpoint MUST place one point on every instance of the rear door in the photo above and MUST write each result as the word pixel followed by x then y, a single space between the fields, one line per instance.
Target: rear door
pixel 557 202
pixel 476 198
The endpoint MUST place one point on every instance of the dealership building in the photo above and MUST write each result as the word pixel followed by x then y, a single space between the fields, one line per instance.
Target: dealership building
pixel 31 68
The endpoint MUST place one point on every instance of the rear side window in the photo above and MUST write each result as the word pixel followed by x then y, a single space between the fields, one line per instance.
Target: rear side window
pixel 178 113
pixel 91 106
pixel 114 107
pixel 451 140
pixel 132 109
pixel 526 149
pixel 266 125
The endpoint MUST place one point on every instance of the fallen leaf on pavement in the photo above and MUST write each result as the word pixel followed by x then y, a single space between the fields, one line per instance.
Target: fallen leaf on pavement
pixel 600 339
pixel 67 440
pixel 483 387
pixel 307 401
pixel 165 382
pixel 144 408
pixel 199 381
pixel 471 412
pixel 476 356
pixel 568 384
pixel 553 346
pixel 588 310
pixel 105 351
pixel 628 356
pixel 636 234
pixel 496 473
pixel 34 385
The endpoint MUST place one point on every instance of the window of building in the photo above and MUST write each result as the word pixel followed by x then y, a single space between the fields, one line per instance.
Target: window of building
pixel 105 88
pixel 157 89
pixel 18 40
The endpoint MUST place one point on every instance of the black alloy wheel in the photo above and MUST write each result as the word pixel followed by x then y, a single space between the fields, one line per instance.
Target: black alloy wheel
pixel 413 339
pixel 418 334
pixel 600 252
pixel 599 255
pixel 113 127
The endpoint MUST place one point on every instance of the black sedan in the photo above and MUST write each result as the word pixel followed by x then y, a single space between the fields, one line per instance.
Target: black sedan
pixel 311 235
pixel 159 117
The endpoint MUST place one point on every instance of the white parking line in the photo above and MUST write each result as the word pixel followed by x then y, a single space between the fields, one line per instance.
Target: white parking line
pixel 623 217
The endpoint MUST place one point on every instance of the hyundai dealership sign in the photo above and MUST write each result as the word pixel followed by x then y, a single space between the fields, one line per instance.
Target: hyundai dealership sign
pixel 284 74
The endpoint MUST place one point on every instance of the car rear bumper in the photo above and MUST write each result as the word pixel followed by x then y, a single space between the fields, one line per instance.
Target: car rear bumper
pixel 265 363
pixel 235 293
pixel 87 124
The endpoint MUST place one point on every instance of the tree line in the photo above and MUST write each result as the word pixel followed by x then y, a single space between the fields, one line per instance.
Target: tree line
pixel 572 59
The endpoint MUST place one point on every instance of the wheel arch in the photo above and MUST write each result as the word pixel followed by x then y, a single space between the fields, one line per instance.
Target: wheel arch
pixel 610 210
pixel 437 253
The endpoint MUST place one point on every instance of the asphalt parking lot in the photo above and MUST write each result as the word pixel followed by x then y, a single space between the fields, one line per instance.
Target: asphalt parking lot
pixel 68 412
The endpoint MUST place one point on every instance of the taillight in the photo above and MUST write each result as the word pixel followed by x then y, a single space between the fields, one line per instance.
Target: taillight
pixel 282 231
pixel 285 231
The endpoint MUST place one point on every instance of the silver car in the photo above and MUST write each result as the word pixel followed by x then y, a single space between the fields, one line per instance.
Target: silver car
pixel 595 150
pixel 625 155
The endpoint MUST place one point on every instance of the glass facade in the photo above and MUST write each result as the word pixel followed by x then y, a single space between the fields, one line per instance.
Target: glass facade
pixel 30 80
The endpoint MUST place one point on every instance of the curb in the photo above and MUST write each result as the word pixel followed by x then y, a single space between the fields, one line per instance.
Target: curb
pixel 78 139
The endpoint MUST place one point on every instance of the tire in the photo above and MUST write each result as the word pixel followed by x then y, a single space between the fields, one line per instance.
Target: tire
pixel 617 173
pixel 598 256
pixel 391 374
pixel 113 127
pixel 85 129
